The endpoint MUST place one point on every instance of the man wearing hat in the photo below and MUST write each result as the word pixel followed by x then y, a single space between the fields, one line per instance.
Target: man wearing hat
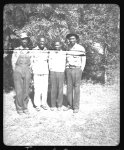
pixel 39 61
pixel 21 74
pixel 74 66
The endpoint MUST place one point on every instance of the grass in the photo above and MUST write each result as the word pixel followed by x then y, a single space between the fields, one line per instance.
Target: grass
pixel 97 123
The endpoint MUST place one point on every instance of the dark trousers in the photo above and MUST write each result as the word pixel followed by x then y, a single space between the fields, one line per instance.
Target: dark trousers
pixel 73 86
pixel 57 81
pixel 22 77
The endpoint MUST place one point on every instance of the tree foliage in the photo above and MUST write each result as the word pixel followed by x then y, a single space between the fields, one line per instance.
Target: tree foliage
pixel 94 23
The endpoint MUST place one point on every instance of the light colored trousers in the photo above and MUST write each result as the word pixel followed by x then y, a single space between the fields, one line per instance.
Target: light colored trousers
pixel 40 89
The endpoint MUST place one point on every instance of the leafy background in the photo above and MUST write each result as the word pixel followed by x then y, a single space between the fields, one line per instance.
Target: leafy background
pixel 94 23
pixel 98 121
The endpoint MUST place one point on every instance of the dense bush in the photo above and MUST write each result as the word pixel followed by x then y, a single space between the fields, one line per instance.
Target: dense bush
pixel 94 23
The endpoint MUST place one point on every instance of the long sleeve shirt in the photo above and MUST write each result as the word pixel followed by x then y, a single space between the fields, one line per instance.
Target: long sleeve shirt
pixel 39 61
pixel 21 56
pixel 57 61
pixel 77 61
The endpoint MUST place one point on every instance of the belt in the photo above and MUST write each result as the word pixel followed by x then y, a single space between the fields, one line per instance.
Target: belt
pixel 73 66
pixel 39 74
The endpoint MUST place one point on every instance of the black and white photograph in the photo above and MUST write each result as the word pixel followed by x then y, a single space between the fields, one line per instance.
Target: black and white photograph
pixel 61 74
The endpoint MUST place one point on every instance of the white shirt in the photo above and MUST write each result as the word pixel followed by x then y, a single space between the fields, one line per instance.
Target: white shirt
pixel 78 61
pixel 57 61
pixel 39 61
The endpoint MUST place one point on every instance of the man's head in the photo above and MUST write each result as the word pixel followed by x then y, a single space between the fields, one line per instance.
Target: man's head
pixel 73 38
pixel 24 42
pixel 24 39
pixel 58 45
pixel 41 43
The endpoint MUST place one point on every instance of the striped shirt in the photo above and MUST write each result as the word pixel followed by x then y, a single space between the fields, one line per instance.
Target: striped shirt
pixel 76 61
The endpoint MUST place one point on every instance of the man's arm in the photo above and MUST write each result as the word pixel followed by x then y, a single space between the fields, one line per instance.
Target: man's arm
pixel 75 53
pixel 32 55
pixel 83 62
pixel 15 56
pixel 83 58
pixel 79 51
pixel 49 60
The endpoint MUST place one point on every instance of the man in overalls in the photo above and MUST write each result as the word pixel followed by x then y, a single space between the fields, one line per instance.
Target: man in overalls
pixel 21 74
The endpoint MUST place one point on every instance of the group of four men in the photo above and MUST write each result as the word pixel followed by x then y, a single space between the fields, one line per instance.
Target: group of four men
pixel 44 64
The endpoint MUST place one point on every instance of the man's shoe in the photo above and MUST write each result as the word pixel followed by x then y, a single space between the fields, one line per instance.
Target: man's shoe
pixel 52 108
pixel 26 111
pixel 44 107
pixel 34 106
pixel 75 110
pixel 67 108
pixel 20 112
pixel 37 108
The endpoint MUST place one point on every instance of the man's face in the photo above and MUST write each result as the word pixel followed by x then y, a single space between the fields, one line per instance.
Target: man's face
pixel 72 40
pixel 24 42
pixel 57 45
pixel 42 42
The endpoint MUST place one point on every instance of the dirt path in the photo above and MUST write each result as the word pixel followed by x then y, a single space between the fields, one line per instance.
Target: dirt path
pixel 97 122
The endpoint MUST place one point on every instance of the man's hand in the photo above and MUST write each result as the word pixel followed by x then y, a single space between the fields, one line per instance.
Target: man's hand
pixel 4 55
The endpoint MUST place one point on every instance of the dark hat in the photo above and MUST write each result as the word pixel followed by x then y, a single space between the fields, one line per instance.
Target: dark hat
pixel 72 34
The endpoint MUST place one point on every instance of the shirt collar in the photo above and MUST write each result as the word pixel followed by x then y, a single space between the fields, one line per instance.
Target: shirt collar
pixel 37 48
pixel 73 46
pixel 21 47
pixel 40 49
